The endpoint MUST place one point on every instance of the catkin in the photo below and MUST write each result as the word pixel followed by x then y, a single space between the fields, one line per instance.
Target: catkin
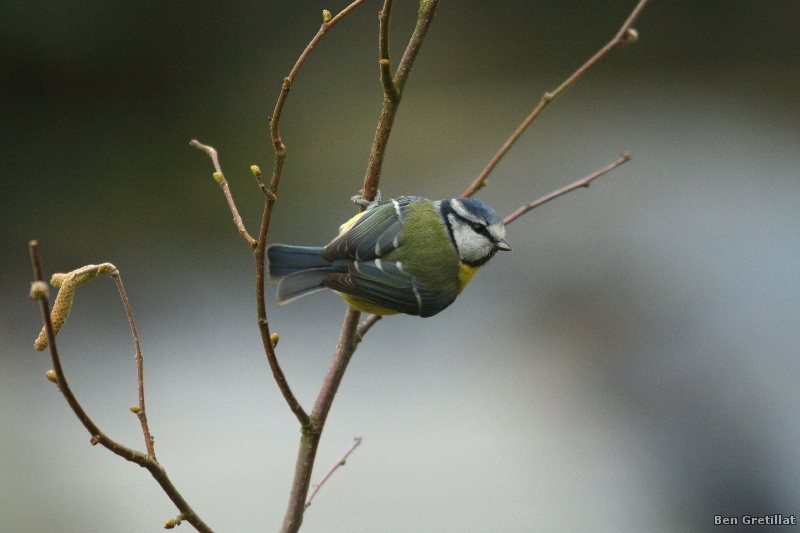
pixel 61 309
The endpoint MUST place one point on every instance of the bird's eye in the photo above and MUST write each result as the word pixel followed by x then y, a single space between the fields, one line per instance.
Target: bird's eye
pixel 479 228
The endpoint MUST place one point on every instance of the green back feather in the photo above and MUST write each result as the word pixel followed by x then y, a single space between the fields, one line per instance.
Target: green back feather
pixel 428 251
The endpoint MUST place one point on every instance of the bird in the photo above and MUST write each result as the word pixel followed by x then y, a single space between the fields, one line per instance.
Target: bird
pixel 408 255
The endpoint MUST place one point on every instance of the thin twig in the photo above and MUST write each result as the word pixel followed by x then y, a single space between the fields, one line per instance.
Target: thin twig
pixel 98 437
pixel 330 472
pixel 564 190
pixel 624 35
pixel 271 194
pixel 258 250
pixel 366 325
pixel 389 88
pixel 287 82
pixel 391 103
pixel 220 178
pixel 142 414
pixel 211 151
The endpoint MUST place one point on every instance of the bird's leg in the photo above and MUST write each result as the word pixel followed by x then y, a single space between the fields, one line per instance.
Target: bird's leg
pixel 359 200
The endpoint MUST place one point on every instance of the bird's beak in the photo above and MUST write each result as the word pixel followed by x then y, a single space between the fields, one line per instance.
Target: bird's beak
pixel 502 245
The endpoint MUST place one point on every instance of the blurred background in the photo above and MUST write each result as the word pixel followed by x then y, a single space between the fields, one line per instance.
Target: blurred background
pixel 632 366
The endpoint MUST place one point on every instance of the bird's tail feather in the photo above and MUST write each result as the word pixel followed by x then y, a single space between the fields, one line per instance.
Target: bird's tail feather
pixel 285 260
pixel 300 283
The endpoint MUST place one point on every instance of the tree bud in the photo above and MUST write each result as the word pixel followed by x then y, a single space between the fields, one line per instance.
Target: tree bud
pixel 38 290
pixel 630 36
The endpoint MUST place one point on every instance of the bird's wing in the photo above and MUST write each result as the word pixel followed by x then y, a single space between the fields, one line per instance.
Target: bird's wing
pixel 376 233
pixel 387 284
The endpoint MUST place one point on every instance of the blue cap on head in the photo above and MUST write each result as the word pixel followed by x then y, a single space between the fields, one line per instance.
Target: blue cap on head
pixel 481 209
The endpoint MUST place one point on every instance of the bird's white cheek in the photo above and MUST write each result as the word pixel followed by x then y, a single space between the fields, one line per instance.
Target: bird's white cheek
pixel 471 246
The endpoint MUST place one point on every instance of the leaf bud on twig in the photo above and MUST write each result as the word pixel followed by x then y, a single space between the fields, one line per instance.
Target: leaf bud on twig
pixel 38 290
pixel 274 338
pixel 135 409
pixel 218 177
pixel 630 36
pixel 256 171
pixel 51 375
pixel 169 524
pixel 326 16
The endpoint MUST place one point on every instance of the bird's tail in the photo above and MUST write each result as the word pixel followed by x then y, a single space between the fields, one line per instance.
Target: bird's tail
pixel 285 259
pixel 299 270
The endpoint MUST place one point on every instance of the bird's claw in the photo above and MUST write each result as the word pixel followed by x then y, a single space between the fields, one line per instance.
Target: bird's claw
pixel 359 200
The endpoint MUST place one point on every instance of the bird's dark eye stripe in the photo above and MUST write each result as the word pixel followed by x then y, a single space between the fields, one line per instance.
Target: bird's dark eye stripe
pixel 480 228
pixel 446 211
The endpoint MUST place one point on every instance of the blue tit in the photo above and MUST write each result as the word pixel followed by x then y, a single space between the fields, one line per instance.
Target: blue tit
pixel 409 255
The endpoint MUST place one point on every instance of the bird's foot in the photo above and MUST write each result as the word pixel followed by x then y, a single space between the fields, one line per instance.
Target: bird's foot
pixel 359 200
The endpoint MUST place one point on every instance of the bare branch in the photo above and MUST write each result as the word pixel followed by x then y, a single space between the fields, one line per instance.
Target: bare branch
pixel 330 472
pixel 366 325
pixel 391 103
pixel 271 195
pixel 212 153
pixel 344 349
pixel 389 88
pixel 220 178
pixel 98 437
pixel 564 190
pixel 309 441
pixel 287 82
pixel 142 414
pixel 626 34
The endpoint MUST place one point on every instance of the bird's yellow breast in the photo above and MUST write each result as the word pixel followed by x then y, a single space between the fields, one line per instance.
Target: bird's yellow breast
pixel 465 273
pixel 359 304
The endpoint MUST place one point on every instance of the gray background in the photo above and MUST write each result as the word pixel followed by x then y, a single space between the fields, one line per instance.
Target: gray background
pixel 630 366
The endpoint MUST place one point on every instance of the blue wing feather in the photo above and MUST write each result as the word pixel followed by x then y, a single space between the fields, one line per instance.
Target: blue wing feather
pixel 387 284
pixel 375 234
